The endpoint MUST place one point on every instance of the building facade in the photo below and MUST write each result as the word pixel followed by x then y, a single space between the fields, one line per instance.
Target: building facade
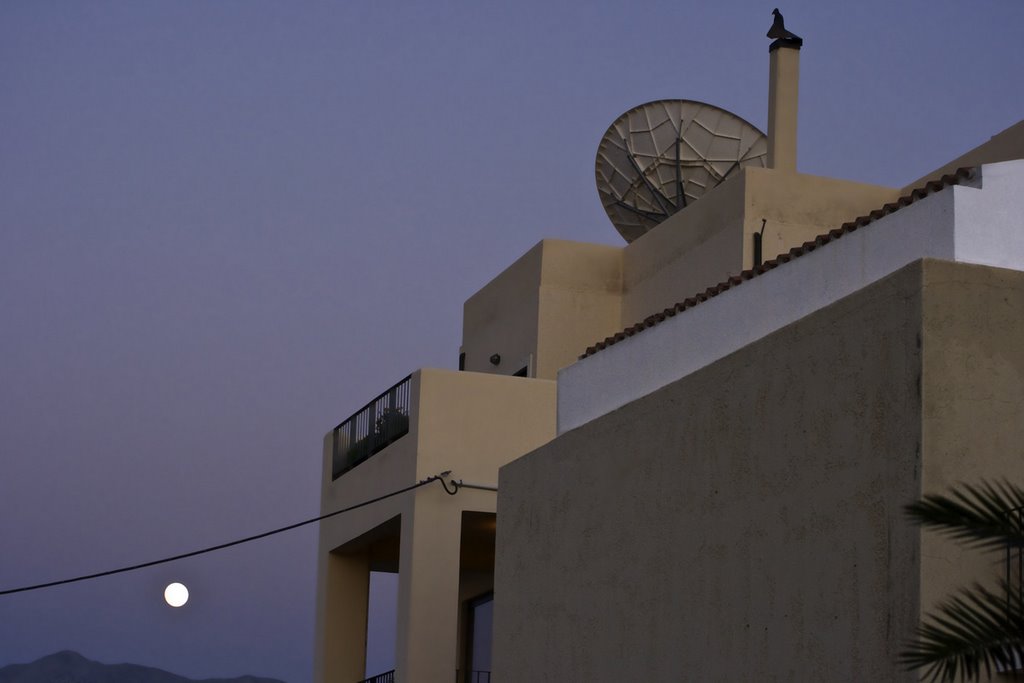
pixel 715 490
pixel 737 512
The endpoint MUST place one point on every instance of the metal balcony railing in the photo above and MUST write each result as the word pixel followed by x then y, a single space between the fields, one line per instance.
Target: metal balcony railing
pixel 460 677
pixel 386 677
pixel 379 423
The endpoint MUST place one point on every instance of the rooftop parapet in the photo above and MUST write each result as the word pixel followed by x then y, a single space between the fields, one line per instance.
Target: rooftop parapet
pixel 973 217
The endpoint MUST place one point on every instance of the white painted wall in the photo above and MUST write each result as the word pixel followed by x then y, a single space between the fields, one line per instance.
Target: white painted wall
pixel 983 224
pixel 990 223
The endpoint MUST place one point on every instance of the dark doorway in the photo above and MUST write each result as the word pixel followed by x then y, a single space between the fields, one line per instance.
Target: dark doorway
pixel 478 634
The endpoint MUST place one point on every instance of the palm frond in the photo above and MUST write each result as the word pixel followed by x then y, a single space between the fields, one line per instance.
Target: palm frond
pixel 987 515
pixel 977 630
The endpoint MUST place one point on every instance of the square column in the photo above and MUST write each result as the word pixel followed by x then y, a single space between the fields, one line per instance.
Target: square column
pixel 428 589
pixel 783 97
pixel 342 603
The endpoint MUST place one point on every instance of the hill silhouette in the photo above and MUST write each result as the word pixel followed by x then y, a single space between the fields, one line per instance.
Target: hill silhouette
pixel 71 667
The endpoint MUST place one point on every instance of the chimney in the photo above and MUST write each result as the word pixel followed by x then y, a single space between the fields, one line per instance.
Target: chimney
pixel 783 91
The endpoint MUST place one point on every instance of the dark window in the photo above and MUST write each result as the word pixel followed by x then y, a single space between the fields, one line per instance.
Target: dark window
pixel 478 633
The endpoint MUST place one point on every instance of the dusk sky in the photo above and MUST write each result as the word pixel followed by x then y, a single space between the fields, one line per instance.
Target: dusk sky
pixel 226 225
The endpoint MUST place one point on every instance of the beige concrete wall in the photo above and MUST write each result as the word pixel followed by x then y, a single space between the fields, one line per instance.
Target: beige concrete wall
pixel 743 523
pixel 561 297
pixel 799 207
pixel 713 239
pixel 580 301
pixel 502 317
pixel 973 393
pixel 746 522
pixel 694 249
pixel 473 423
pixel 428 589
pixel 342 603
pixel 469 423
pixel 1004 146
pixel 545 309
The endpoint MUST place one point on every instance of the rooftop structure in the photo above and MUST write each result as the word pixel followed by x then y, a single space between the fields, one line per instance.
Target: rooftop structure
pixel 702 440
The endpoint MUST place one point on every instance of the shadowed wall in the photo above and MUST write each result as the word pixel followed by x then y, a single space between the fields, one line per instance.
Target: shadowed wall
pixel 745 522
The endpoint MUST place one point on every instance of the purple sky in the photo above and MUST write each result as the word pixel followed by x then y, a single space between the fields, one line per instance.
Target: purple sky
pixel 224 226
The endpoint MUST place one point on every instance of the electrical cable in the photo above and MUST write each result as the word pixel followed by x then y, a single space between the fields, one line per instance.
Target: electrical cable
pixel 120 570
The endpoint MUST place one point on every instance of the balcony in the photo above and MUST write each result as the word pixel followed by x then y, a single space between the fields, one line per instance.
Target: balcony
pixel 460 677
pixel 386 677
pixel 371 429
pixel 441 546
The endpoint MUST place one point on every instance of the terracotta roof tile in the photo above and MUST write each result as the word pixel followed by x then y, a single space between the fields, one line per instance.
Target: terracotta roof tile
pixel 955 178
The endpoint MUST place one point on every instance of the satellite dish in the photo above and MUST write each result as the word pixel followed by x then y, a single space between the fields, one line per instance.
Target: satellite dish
pixel 660 157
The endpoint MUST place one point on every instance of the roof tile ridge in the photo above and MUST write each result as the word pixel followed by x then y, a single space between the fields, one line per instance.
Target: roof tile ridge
pixel 931 187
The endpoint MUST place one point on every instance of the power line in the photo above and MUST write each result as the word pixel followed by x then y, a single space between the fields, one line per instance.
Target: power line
pixel 120 570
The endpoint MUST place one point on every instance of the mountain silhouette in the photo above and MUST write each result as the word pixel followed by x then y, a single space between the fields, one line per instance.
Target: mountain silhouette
pixel 71 667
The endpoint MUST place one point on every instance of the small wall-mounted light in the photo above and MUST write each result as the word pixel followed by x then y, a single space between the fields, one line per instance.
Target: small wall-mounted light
pixel 495 359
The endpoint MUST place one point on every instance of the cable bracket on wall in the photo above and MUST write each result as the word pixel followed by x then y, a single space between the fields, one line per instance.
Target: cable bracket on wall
pixel 459 484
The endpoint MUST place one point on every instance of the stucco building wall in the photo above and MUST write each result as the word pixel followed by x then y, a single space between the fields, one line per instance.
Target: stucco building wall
pixel 560 297
pixel 543 310
pixel 979 223
pixel 745 522
pixel 973 392
pixel 469 423
pixel 713 239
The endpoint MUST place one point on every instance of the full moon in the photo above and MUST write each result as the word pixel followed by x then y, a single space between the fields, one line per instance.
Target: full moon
pixel 176 594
